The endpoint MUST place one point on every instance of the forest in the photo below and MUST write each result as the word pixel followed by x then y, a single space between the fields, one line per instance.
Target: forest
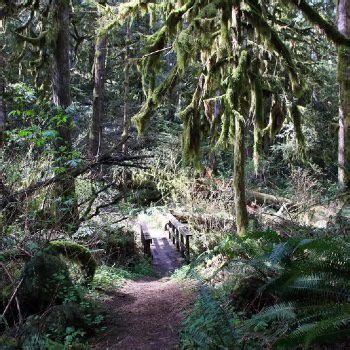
pixel 174 174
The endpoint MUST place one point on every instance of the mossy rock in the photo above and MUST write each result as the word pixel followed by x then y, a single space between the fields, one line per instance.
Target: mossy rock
pixel 46 282
pixel 76 253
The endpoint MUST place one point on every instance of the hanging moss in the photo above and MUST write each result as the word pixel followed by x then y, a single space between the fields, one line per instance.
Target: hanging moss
pixel 276 44
pixel 225 130
pixel 151 61
pixel 225 39
pixel 258 120
pixel 277 117
pixel 237 80
pixel 191 135
pixel 176 15
pixel 231 106
pixel 296 118
pixel 142 118
pixel 76 253
pixel 235 88
pixel 315 18
pixel 157 41
pixel 183 48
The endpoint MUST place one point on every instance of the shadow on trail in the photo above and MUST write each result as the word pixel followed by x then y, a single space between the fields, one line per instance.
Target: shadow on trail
pixel 148 313
pixel 165 258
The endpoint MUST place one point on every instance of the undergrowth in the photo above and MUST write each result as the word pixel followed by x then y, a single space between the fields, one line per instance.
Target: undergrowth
pixel 110 277
pixel 270 291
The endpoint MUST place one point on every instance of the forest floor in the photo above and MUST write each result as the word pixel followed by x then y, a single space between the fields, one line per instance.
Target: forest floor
pixel 148 313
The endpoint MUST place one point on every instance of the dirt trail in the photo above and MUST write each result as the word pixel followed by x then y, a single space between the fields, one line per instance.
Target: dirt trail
pixel 148 313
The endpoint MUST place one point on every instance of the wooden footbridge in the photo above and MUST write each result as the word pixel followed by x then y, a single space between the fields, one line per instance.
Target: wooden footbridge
pixel 171 244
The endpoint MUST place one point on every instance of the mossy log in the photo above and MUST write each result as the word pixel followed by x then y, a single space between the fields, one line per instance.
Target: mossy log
pixel 264 198
pixel 207 221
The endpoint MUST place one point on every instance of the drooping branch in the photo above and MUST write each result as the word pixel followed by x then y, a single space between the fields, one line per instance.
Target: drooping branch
pixel 276 44
pixel 154 99
pixel 118 160
pixel 86 216
pixel 105 159
pixel 316 19
pixel 36 41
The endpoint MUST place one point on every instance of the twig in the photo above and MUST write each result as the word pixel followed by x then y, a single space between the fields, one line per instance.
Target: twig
pixel 13 295
pixel 120 220
pixel 98 209
pixel 160 50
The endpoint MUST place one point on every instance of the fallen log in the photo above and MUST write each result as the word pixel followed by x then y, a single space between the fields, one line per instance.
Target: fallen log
pixel 208 221
pixel 264 198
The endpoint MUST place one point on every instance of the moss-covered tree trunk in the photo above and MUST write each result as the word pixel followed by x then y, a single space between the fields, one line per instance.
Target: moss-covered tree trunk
pixel 2 98
pixel 126 108
pixel 99 94
pixel 239 178
pixel 67 215
pixel 2 133
pixel 238 86
pixel 344 95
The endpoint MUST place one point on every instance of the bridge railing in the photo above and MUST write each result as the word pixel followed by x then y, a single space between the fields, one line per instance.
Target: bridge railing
pixel 146 238
pixel 180 235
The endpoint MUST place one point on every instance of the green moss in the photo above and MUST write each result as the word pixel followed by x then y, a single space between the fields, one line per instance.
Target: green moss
pixel 274 42
pixel 191 135
pixel 142 118
pixel 176 15
pixel 183 48
pixel 225 128
pixel 257 97
pixel 315 18
pixel 296 117
pixel 77 253
pixel 277 117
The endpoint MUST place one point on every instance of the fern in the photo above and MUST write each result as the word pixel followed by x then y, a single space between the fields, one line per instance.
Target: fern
pixel 282 292
pixel 312 283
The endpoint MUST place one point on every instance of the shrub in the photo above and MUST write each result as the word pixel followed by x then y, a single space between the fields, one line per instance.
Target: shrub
pixel 119 245
pixel 287 291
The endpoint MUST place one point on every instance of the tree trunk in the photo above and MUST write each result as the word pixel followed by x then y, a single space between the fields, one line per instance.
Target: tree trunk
pixel 67 216
pixel 126 111
pixel 239 178
pixel 344 95
pixel 2 100
pixel 2 132
pixel 99 94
